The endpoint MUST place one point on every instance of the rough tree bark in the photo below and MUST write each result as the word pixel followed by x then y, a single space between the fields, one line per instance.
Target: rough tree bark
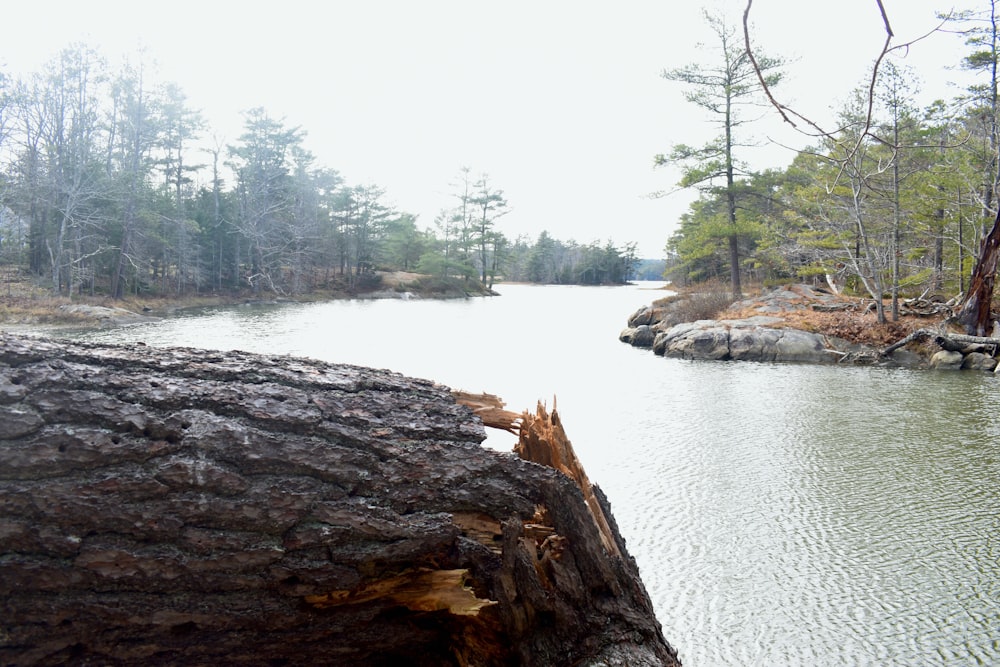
pixel 186 507
pixel 974 312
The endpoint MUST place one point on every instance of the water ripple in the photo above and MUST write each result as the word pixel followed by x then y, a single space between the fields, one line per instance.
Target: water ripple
pixel 780 514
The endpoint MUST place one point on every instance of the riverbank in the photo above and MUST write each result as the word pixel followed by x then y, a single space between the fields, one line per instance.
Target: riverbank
pixel 797 322
pixel 24 305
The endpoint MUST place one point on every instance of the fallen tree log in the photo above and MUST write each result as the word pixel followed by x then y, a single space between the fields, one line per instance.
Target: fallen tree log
pixel 949 341
pixel 975 343
pixel 921 307
pixel 833 307
pixel 182 507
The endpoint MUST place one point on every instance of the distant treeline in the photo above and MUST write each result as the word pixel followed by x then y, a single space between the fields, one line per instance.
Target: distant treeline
pixel 110 185
pixel 649 269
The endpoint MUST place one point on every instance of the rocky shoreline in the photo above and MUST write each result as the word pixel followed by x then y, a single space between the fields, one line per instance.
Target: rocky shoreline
pixel 765 334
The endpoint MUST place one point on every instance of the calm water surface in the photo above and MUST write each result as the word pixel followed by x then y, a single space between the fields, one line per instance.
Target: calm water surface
pixel 780 514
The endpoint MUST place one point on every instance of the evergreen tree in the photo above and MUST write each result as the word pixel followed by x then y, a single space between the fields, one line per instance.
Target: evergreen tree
pixel 721 89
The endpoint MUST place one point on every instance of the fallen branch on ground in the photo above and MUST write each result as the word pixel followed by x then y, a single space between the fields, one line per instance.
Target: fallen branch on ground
pixel 954 342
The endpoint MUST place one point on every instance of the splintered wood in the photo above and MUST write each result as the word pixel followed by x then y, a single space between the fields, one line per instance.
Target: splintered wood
pixel 541 439
pixel 490 409
pixel 419 589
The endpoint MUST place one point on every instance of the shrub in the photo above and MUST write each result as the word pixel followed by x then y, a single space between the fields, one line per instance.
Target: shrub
pixel 368 280
pixel 700 306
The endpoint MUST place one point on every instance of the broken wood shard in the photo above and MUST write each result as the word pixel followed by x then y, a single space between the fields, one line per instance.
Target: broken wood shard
pixel 490 409
pixel 180 506
pixel 543 440
pixel 417 590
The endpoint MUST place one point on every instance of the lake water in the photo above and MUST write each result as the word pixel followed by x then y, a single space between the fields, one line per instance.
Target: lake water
pixel 780 514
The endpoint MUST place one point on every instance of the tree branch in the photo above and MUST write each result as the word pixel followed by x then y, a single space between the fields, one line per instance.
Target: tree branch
pixel 788 113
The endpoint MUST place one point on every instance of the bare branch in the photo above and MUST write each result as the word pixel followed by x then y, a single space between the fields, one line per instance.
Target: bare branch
pixel 787 113
pixel 782 109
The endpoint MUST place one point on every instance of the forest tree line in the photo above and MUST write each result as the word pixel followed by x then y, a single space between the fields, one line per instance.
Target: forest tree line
pixel 896 201
pixel 113 185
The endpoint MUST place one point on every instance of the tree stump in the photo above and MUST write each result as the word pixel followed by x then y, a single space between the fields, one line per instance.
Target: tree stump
pixel 973 311
pixel 186 507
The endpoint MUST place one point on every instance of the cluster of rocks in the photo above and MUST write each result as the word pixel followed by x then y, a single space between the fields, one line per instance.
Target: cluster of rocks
pixel 955 360
pixel 763 336
pixel 958 352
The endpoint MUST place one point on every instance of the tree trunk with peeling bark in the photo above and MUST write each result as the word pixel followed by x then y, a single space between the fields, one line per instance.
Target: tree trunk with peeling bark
pixel 974 312
pixel 187 507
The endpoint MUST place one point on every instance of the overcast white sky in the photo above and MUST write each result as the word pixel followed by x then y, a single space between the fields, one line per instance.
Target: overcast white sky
pixel 560 102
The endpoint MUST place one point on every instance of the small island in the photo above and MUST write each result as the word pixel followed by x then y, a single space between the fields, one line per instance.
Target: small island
pixel 807 324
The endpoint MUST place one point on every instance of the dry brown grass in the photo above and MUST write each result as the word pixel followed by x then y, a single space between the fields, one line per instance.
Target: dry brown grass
pixel 36 310
pixel 855 326
pixel 852 325
pixel 22 301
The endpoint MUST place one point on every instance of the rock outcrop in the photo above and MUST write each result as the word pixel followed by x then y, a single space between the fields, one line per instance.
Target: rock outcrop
pixel 765 336
pixel 748 339
pixel 758 337
pixel 105 316
pixel 182 507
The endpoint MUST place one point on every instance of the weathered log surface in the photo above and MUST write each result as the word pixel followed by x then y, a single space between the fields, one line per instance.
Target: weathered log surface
pixel 949 341
pixel 185 507
pixel 974 310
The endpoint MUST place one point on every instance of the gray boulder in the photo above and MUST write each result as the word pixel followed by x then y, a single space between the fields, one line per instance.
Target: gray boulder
pixel 907 359
pixel 744 340
pixel 105 316
pixel 710 341
pixel 642 316
pixel 947 360
pixel 640 336
pixel 977 361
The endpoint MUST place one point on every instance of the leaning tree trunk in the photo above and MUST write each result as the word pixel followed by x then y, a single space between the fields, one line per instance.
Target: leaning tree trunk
pixel 974 312
pixel 180 507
